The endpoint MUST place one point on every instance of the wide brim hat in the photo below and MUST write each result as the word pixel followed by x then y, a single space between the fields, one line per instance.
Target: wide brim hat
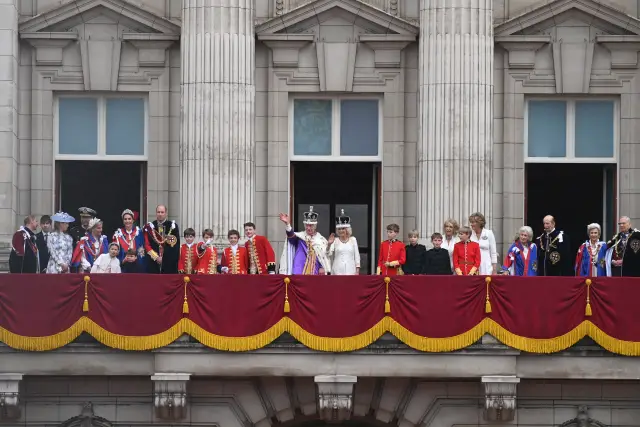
pixel 62 217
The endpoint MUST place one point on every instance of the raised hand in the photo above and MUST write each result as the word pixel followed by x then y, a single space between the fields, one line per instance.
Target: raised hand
pixel 284 218
pixel 331 239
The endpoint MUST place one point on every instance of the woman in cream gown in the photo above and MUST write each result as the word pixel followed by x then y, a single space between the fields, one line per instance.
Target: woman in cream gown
pixel 343 251
pixel 487 242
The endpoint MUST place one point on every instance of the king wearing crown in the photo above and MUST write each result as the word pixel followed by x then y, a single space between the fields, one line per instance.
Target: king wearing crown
pixel 305 252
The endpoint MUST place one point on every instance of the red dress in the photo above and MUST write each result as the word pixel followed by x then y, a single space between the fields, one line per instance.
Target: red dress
pixel 207 259
pixel 188 262
pixel 238 263
pixel 466 258
pixel 260 253
pixel 393 252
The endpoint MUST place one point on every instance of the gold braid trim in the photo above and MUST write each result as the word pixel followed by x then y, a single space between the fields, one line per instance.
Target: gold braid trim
pixel 352 343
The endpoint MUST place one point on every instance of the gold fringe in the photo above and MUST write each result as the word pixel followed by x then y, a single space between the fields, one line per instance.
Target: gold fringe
pixel 587 309
pixel 352 343
pixel 248 343
pixel 287 307
pixel 387 304
pixel 185 304
pixel 487 304
pixel 85 303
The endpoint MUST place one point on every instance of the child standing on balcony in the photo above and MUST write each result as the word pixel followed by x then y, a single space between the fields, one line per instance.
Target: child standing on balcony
pixel 392 253
pixel 235 258
pixel 438 261
pixel 208 255
pixel 109 262
pixel 188 262
pixel 466 254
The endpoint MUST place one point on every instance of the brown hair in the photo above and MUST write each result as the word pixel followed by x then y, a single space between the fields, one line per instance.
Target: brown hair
pixel 436 236
pixel 233 233
pixel 208 231
pixel 479 218
pixel 393 227
pixel 465 230
pixel 249 224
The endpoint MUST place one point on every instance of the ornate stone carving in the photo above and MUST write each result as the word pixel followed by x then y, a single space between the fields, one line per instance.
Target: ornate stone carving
pixel 170 395
pixel 86 418
pixel 335 397
pixel 9 402
pixel 500 397
pixel 582 420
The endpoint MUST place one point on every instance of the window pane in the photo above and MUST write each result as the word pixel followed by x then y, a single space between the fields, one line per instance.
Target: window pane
pixel 594 129
pixel 78 126
pixel 359 127
pixel 312 127
pixel 547 128
pixel 125 126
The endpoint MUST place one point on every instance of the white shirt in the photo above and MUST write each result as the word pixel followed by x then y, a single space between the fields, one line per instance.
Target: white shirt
pixel 488 250
pixel 448 245
pixel 346 257
pixel 105 264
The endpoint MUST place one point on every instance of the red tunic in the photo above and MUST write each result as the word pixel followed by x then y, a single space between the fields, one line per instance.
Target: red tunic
pixel 261 253
pixel 207 259
pixel 238 264
pixel 188 261
pixel 466 258
pixel 393 252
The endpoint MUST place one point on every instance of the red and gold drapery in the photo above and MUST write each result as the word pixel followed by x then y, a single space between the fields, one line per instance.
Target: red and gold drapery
pixel 328 313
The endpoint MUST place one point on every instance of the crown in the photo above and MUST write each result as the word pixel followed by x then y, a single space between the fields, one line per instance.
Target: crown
pixel 343 221
pixel 310 217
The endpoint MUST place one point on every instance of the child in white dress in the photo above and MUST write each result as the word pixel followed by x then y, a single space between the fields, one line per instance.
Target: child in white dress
pixel 109 262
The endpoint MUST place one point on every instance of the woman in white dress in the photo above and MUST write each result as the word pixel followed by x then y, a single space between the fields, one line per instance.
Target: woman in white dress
pixel 343 252
pixel 450 237
pixel 60 244
pixel 487 242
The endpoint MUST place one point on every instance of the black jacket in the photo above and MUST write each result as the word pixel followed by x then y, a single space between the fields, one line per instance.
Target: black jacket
pixel 438 262
pixel 43 251
pixel 416 259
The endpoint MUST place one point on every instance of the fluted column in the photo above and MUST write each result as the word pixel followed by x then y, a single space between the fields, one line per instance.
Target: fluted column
pixel 455 152
pixel 217 144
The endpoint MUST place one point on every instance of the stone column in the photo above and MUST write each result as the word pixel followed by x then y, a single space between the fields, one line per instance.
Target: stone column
pixel 9 152
pixel 455 151
pixel 217 143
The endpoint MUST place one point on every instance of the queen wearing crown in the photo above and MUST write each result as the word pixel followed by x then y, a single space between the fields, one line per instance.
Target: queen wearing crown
pixel 343 251
pixel 305 252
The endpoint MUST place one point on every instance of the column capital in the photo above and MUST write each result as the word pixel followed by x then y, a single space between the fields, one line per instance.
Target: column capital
pixel 500 397
pixel 335 397
pixel 170 395
pixel 9 392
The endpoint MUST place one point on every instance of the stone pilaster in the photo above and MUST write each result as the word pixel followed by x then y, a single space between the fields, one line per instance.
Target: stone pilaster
pixel 9 150
pixel 217 143
pixel 455 149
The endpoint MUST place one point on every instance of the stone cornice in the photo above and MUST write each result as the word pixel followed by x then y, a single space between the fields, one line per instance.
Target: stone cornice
pixel 151 47
pixel 522 49
pixel 286 47
pixel 387 48
pixel 49 46
pixel 624 50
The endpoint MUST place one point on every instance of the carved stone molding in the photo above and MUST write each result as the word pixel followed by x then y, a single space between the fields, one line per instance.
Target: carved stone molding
pixel 624 50
pixel 285 48
pixel 86 418
pixel 49 46
pixel 387 48
pixel 9 391
pixel 152 48
pixel 522 49
pixel 583 419
pixel 500 397
pixel 170 395
pixel 335 397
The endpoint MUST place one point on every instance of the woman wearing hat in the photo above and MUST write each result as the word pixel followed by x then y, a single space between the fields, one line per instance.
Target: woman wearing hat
pixel 343 252
pixel 60 244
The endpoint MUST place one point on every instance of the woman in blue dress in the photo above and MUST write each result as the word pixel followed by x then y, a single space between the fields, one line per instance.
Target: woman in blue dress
pixel 130 236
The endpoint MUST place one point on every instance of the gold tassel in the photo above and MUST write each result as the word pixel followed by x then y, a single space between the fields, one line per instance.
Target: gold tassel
pixel 587 309
pixel 387 304
pixel 185 304
pixel 85 304
pixel 487 304
pixel 287 307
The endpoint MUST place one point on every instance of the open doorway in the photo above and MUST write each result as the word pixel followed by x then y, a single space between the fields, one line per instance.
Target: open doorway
pixel 575 194
pixel 107 187
pixel 332 186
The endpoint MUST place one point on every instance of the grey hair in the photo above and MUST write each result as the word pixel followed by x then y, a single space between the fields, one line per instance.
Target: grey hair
pixel 626 219
pixel 526 229
pixel 592 226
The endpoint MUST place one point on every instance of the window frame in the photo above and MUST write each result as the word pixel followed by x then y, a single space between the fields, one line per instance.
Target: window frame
pixel 102 127
pixel 570 137
pixel 335 128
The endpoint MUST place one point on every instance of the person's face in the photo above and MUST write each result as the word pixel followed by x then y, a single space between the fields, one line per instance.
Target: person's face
pixel 127 220
pixel 342 233
pixel 473 223
pixel 437 242
pixel 391 234
pixel 64 226
pixel 524 237
pixel 130 258
pixel 413 240
pixel 33 224
pixel 594 234
pixel 113 251
pixel 448 230
pixel 624 225
pixel 189 239
pixel 464 237
pixel 548 224
pixel 161 213
pixel 233 239
pixel 249 232
pixel 97 230
pixel 46 227
pixel 84 220
pixel 310 229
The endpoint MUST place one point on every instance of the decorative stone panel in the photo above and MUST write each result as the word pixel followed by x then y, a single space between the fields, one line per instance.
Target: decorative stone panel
pixel 500 397
pixel 9 391
pixel 335 397
pixel 170 395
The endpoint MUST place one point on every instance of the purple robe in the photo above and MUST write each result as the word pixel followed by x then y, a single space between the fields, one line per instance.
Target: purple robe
pixel 300 256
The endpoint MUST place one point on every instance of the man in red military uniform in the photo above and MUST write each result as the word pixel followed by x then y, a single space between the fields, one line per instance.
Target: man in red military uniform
pixel 392 253
pixel 466 254
pixel 235 258
pixel 261 257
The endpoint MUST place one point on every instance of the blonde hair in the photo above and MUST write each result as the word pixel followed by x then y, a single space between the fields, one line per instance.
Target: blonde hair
pixel 465 229
pixel 453 223
pixel 414 233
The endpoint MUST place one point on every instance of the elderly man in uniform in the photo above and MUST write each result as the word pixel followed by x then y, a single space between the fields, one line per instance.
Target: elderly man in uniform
pixel 623 253
pixel 79 231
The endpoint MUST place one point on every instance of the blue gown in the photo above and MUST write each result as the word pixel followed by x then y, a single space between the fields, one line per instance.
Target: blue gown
pixel 516 263
pixel 133 240
pixel 584 260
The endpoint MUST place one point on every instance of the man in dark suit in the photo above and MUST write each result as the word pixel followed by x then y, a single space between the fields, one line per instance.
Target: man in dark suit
pixel 46 227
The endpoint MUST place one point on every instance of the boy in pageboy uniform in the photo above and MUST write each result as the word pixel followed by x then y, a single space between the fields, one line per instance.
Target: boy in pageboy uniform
pixel 392 253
